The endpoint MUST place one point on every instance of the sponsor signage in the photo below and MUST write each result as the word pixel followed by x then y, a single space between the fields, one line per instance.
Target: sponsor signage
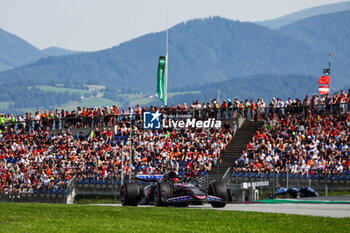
pixel 246 185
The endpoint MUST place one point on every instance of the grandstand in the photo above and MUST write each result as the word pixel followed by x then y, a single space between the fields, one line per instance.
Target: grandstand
pixel 52 157
pixel 308 146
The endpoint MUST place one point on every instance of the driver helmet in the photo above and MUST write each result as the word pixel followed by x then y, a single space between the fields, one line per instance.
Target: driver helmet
pixel 176 179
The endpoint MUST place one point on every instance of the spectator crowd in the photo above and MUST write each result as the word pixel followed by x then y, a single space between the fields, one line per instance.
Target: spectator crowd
pixel 311 141
pixel 303 137
pixel 39 160
pixel 107 116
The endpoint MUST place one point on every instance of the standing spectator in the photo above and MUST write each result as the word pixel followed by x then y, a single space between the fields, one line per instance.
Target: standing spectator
pixel 241 109
pixel 20 122
pixel 206 110
pixel 335 103
pixel 246 109
pixel 37 119
pixel 12 121
pixel 348 99
pixel 29 121
pixel 272 106
pixel 178 110
pixel 185 109
pixel 50 118
pixel 2 122
pixel 197 108
pixel 253 110
pixel 306 103
pixel 57 117
pixel 138 112
pixel 44 120
pixel 280 106
pixel 236 108
pixel 343 99
pixel 130 111
pixel 328 101
pixel 89 117
pixel 214 109
pixel 63 119
pixel 83 114
pixel 223 109
pixel 116 113
pixel 261 109
pixel 229 108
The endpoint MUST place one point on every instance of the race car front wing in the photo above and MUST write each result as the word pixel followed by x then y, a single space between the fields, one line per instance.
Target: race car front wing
pixel 190 198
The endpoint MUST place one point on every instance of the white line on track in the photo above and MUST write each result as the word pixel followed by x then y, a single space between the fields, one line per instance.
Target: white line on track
pixel 324 210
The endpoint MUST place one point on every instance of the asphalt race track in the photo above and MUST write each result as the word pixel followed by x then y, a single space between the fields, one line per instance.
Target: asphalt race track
pixel 324 210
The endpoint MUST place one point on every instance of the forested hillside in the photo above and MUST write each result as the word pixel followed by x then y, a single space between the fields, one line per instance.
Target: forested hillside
pixel 205 55
pixel 200 52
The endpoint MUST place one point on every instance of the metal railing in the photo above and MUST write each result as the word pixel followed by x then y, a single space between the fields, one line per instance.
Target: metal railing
pixel 227 175
pixel 232 112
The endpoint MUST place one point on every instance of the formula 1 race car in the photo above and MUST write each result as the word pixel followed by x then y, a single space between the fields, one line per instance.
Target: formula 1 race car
pixel 170 189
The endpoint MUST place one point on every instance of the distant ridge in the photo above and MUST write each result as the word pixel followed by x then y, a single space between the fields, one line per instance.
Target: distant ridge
pixel 256 86
pixel 326 34
pixel 56 51
pixel 293 17
pixel 205 51
pixel 15 51
pixel 206 55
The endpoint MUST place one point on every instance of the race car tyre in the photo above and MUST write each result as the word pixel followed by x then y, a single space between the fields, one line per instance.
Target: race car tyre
pixel 161 193
pixel 218 189
pixel 130 194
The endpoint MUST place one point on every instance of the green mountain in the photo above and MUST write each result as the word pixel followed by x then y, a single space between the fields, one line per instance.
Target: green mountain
pixel 200 52
pixel 299 15
pixel 15 52
pixel 204 55
pixel 264 86
pixel 326 34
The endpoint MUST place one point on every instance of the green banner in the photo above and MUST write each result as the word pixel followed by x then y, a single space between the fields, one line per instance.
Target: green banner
pixel 161 78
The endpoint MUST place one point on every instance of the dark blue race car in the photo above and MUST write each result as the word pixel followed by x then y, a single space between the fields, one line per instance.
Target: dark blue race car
pixel 170 189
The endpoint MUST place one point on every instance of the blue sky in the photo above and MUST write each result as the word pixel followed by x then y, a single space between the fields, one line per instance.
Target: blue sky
pixel 88 25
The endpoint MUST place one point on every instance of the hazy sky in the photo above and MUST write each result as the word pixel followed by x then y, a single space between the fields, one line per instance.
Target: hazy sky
pixel 88 25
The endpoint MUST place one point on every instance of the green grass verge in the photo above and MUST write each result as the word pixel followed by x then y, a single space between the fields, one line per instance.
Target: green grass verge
pixel 94 200
pixel 332 193
pixel 33 217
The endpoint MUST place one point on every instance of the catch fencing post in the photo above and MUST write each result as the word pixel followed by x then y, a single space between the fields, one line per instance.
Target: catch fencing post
pixel 287 177
pixel 122 166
